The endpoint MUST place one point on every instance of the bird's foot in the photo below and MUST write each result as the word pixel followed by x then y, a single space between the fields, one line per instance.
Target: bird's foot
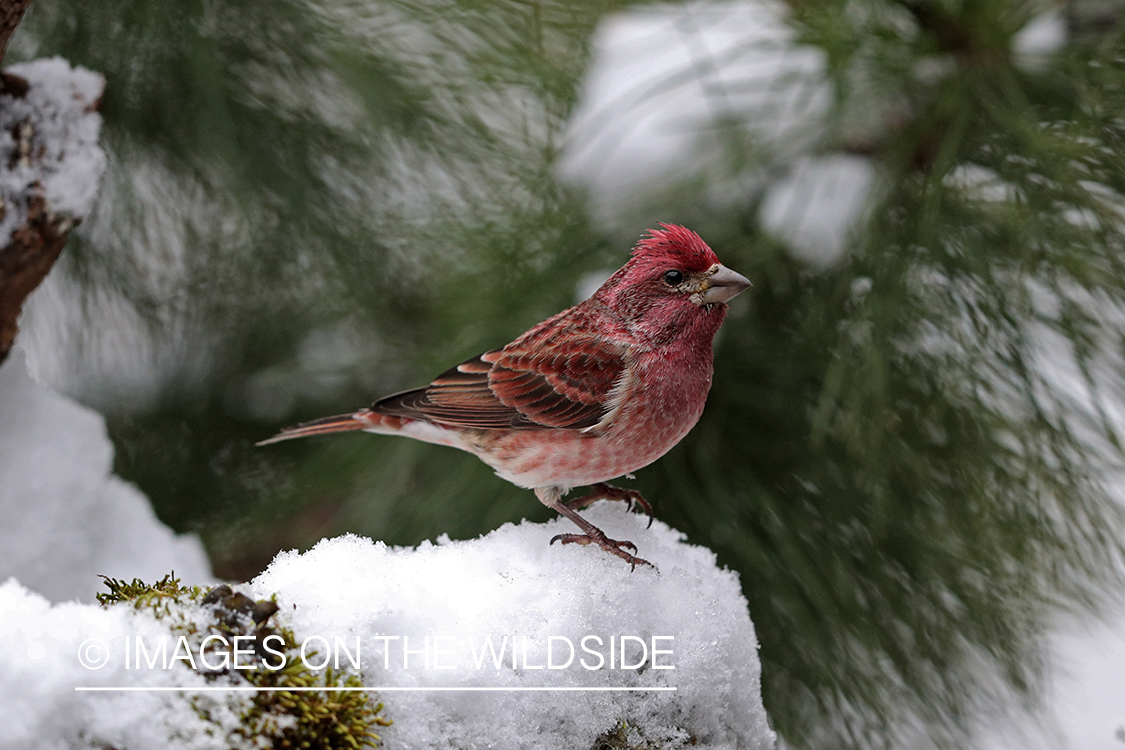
pixel 612 546
pixel 603 491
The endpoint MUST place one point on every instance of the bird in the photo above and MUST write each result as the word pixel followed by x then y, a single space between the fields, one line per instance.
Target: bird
pixel 596 392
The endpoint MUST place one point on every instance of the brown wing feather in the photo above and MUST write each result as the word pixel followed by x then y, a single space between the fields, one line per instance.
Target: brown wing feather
pixel 459 397
pixel 556 375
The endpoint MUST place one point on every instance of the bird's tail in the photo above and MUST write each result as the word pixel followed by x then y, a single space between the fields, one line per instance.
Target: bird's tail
pixel 360 420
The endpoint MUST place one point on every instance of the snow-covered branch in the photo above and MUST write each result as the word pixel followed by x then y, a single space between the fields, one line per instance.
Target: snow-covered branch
pixel 50 164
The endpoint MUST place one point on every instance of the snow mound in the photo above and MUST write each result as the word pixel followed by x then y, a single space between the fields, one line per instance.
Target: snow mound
pixel 41 648
pixel 683 669
pixel 424 618
pixel 49 139
pixel 64 517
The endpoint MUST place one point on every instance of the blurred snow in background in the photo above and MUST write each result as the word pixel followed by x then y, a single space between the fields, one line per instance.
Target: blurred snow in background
pixel 675 93
pixel 816 206
pixel 1040 38
pixel 664 79
pixel 1085 697
pixel 64 517
pixel 117 345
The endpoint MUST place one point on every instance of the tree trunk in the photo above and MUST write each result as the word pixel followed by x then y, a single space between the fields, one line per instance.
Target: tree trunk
pixel 11 11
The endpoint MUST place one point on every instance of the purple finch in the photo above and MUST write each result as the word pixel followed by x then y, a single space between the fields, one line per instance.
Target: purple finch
pixel 593 393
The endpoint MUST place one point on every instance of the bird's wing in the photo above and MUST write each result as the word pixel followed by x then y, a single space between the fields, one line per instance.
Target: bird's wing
pixel 557 375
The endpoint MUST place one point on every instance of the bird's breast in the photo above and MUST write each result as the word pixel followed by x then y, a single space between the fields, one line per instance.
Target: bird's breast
pixel 663 401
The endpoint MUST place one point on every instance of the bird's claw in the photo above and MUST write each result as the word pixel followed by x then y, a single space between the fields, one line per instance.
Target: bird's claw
pixel 601 491
pixel 585 539
pixel 612 546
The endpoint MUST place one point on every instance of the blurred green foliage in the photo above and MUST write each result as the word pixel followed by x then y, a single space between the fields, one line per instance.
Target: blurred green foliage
pixel 906 490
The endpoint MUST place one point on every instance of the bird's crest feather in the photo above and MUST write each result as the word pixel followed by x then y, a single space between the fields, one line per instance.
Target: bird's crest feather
pixel 678 245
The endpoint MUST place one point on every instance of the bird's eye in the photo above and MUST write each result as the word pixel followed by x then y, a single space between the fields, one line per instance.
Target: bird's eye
pixel 673 278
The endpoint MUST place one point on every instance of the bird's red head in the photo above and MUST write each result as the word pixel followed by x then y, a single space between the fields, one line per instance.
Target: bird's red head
pixel 672 283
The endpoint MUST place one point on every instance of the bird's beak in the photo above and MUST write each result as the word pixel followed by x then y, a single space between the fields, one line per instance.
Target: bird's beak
pixel 722 286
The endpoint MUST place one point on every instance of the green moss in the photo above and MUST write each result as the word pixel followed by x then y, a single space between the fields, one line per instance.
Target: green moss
pixel 324 720
pixel 157 596
pixel 311 718
pixel 298 718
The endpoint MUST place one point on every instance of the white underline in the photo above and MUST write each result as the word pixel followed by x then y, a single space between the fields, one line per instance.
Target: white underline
pixel 385 689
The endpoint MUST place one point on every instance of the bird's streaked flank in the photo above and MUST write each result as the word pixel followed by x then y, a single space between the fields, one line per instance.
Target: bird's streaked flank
pixel 596 392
